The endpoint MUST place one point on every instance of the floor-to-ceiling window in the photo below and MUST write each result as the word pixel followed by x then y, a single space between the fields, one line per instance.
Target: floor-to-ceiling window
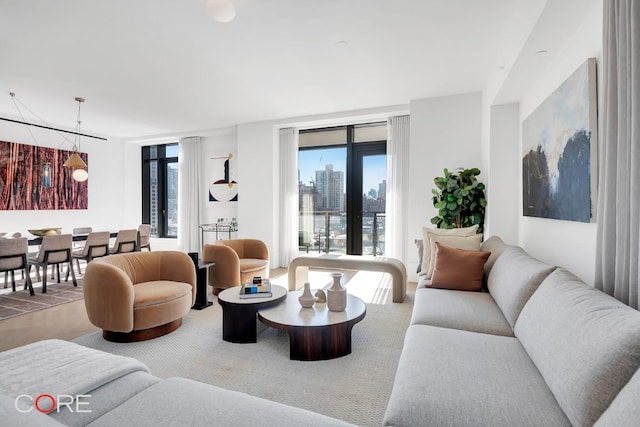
pixel 342 189
pixel 160 189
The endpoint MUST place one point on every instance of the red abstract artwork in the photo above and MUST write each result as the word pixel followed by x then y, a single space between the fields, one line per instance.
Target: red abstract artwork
pixel 34 178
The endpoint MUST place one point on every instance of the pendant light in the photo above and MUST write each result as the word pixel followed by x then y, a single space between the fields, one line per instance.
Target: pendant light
pixel 74 161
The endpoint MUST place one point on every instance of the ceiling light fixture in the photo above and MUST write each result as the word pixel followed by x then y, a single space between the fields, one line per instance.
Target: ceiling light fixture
pixel 221 10
pixel 74 161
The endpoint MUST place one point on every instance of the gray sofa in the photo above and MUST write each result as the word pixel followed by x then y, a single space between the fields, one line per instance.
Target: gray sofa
pixel 540 348
pixel 119 391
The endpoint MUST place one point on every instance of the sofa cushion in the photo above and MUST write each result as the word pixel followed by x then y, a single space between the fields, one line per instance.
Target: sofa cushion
pixel 585 343
pixel 458 269
pixel 469 311
pixel 250 264
pixel 183 402
pixel 624 410
pixel 158 292
pixel 426 245
pixel 449 377
pixel 515 276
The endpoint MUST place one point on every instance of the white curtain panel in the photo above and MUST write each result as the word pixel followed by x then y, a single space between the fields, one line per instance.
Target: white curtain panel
pixel 189 194
pixel 618 242
pixel 288 195
pixel 397 184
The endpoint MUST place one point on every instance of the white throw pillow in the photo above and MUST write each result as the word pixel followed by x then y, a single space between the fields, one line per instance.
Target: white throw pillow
pixel 426 245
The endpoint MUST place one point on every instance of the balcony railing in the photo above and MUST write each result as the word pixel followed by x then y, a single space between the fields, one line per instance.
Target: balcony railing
pixel 326 231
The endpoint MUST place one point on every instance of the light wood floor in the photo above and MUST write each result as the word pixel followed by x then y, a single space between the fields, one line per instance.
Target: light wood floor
pixel 65 322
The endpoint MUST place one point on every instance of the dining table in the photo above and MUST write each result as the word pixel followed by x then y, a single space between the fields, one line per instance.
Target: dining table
pixel 37 240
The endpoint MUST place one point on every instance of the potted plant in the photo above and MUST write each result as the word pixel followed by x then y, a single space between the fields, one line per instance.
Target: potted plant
pixel 460 199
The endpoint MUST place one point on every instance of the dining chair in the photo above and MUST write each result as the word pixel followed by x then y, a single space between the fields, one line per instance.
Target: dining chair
pixel 145 234
pixel 54 250
pixel 96 245
pixel 79 244
pixel 13 256
pixel 126 241
pixel 9 235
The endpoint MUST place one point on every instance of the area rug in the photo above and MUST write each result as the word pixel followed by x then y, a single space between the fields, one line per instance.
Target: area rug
pixel 354 388
pixel 21 302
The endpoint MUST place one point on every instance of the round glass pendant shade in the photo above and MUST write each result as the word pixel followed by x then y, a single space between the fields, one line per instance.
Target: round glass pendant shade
pixel 80 175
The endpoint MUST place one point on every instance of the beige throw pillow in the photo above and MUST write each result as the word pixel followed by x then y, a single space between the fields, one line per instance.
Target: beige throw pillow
pixel 468 243
pixel 427 231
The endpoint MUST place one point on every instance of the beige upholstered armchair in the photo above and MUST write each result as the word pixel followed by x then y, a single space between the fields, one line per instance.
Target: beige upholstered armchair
pixel 139 295
pixel 236 261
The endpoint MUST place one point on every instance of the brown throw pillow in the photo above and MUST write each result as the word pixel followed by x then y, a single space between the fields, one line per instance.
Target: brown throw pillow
pixel 458 269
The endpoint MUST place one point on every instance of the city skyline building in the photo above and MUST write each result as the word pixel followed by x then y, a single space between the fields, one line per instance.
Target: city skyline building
pixel 330 186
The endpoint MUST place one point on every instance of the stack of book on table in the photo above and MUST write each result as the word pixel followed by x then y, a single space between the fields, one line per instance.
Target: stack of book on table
pixel 257 288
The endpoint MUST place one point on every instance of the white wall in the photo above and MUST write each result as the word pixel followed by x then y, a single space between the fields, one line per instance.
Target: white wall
pixel 445 133
pixel 114 185
pixel 259 185
pixel 564 243
pixel 503 184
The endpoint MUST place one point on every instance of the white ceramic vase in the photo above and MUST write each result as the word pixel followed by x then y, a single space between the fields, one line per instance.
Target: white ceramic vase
pixel 336 294
pixel 307 299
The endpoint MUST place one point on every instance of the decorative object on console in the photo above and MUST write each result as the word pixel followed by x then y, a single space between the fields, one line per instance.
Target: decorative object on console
pixel 307 299
pixel 336 294
pixel 40 232
pixel 460 199
pixel 560 150
pixel 321 297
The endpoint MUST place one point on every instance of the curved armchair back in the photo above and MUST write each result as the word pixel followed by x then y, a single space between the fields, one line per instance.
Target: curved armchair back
pixel 150 266
pixel 247 248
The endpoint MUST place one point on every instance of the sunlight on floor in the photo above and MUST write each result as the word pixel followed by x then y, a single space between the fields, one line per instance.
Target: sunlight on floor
pixel 371 287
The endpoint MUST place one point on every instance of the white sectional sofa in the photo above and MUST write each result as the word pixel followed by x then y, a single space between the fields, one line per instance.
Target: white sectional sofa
pixel 120 391
pixel 540 348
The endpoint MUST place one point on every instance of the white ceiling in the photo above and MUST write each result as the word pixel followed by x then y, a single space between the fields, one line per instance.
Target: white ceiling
pixel 156 67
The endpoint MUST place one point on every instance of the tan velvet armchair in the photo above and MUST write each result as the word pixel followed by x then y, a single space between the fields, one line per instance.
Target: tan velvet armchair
pixel 237 261
pixel 139 295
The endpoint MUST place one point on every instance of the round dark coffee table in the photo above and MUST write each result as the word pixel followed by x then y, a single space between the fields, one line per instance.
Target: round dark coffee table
pixel 315 333
pixel 239 315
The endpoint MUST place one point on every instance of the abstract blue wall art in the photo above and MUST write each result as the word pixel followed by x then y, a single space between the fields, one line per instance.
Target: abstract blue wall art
pixel 559 140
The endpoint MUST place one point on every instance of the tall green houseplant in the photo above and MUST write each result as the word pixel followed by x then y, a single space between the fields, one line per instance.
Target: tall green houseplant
pixel 459 198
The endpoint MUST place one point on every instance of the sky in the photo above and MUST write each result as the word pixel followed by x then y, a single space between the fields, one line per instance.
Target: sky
pixel 309 161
